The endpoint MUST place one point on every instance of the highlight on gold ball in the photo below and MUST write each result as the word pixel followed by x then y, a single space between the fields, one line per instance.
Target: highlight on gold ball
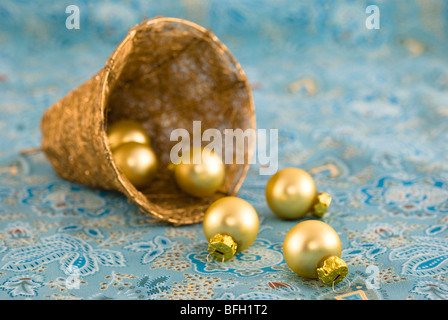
pixel 312 249
pixel 291 193
pixel 137 161
pixel 132 153
pixel 230 225
pixel 126 130
pixel 200 173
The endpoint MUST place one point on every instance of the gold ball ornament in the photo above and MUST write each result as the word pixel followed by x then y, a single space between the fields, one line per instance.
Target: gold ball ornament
pixel 291 193
pixel 230 225
pixel 200 179
pixel 137 161
pixel 312 249
pixel 125 131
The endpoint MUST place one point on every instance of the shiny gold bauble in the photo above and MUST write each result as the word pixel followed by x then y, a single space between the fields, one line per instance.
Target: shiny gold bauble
pixel 312 249
pixel 125 131
pixel 137 161
pixel 201 179
pixel 230 225
pixel 291 193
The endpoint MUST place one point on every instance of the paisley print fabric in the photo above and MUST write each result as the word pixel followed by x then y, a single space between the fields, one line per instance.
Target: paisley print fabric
pixel 363 110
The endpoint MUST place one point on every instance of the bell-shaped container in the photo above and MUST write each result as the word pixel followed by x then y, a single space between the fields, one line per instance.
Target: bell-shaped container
pixel 166 73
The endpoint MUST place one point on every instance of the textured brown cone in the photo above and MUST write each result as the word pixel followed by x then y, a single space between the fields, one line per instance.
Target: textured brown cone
pixel 166 73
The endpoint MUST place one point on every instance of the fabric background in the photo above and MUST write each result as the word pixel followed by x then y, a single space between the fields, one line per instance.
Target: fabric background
pixel 365 111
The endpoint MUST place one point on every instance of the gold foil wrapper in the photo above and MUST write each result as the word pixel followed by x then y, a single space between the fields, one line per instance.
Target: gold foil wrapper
pixel 222 247
pixel 165 74
pixel 333 270
pixel 323 201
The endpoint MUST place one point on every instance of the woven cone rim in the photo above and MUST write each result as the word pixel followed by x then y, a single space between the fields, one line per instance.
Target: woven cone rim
pixel 127 188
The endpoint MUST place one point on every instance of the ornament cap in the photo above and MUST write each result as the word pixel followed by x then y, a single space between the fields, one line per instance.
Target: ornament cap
pixel 333 270
pixel 222 247
pixel 322 203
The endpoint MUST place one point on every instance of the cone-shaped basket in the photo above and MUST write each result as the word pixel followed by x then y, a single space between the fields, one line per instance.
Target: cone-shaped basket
pixel 166 73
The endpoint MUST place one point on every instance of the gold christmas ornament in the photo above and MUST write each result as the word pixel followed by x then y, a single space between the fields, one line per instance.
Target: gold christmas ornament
pixel 291 193
pixel 230 225
pixel 165 74
pixel 137 161
pixel 126 130
pixel 312 249
pixel 200 179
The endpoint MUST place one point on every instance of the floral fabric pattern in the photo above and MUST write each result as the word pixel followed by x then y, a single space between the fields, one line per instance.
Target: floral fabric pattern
pixel 363 110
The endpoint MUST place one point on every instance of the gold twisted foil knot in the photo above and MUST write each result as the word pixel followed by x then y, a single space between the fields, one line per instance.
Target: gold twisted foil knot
pixel 323 201
pixel 333 270
pixel 222 247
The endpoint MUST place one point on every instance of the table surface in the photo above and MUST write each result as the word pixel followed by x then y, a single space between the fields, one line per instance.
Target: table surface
pixel 365 111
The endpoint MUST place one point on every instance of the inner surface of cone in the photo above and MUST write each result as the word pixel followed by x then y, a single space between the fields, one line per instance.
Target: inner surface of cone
pixel 165 75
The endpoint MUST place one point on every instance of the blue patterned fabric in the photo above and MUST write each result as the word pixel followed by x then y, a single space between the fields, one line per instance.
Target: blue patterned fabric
pixel 365 111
